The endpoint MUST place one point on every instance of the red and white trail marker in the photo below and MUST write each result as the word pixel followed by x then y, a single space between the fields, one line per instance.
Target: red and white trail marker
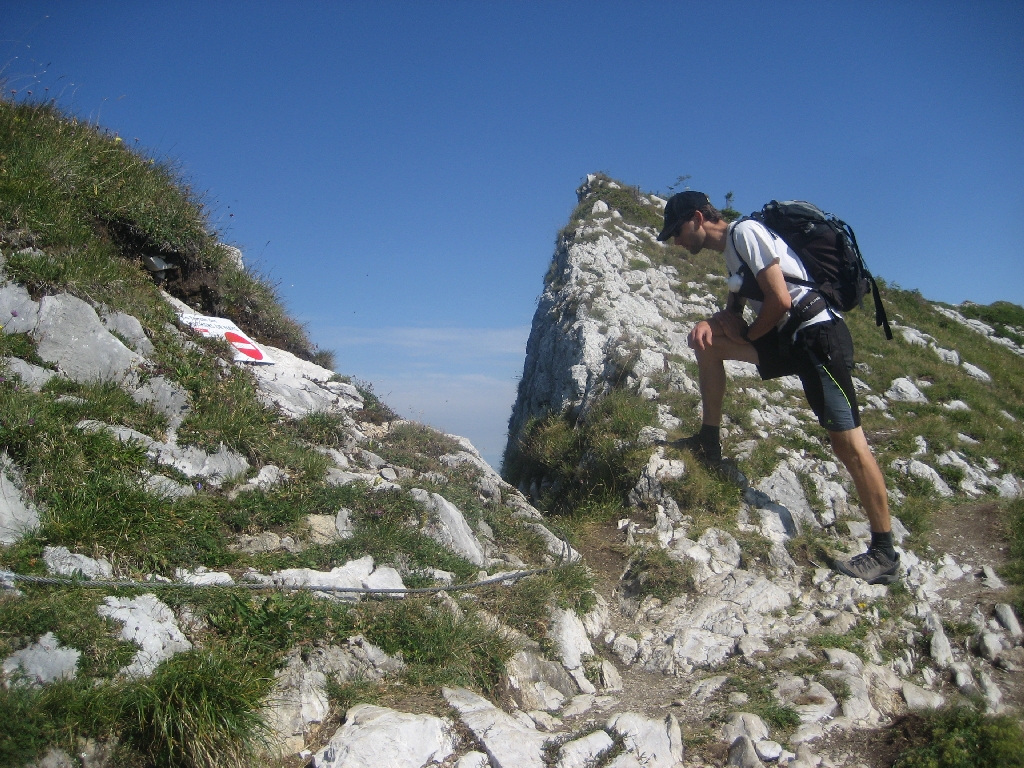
pixel 246 350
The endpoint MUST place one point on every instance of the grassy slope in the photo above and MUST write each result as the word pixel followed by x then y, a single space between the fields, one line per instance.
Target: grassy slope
pixel 78 209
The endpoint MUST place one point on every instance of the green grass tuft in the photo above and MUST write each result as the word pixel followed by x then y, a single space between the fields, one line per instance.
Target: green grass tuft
pixel 964 738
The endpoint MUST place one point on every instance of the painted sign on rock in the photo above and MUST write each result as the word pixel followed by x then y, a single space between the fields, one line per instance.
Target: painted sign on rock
pixel 246 350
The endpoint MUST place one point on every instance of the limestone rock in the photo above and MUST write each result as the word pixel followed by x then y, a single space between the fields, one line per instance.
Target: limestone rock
pixel 167 488
pixel 129 328
pixel 214 468
pixel 373 737
pixel 783 487
pixel 166 397
pixel 743 755
pixel 355 574
pixel 151 625
pixel 569 636
pixel 60 562
pixel 919 469
pixel 975 372
pixel 536 683
pixel 742 724
pixel 299 387
pixel 70 334
pixel 449 528
pixel 659 743
pixel 1005 615
pixel 18 515
pixel 32 376
pixel 919 699
pixel 584 752
pixel 299 698
pixel 811 700
pixel 18 312
pixel 42 662
pixel 508 742
pixel 903 390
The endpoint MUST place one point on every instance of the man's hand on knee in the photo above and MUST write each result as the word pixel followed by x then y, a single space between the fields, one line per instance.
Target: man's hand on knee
pixel 733 326
pixel 701 335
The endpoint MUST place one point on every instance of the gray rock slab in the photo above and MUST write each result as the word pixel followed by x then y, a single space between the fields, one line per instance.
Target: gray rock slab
pixel 18 515
pixel 812 701
pixel 213 468
pixel 556 547
pixel 167 488
pixel 32 376
pixel 783 487
pixel 569 636
pixel 355 574
pixel 448 527
pixel 61 562
pixel 129 328
pixel 1005 615
pixel 903 390
pixel 656 743
pixel 743 754
pixel 993 696
pixel 299 698
pixel 70 334
pixel 537 683
pixel 373 737
pixel 151 625
pixel 963 678
pixel 473 759
pixel 299 387
pixel 584 752
pixel 744 724
pixel 611 680
pixel 918 698
pixel 508 742
pixel 707 687
pixel 166 397
pixel 18 312
pixel 43 662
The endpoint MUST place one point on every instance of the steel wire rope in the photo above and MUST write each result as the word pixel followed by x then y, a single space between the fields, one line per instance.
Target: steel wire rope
pixel 9 577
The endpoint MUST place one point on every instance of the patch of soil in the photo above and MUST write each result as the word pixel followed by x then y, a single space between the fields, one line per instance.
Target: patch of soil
pixel 975 535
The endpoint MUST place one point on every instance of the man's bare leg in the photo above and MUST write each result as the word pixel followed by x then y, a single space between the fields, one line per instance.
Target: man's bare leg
pixel 711 366
pixel 853 450
pixel 881 563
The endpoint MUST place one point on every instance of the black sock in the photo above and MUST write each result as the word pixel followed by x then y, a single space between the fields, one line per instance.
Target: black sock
pixel 711 442
pixel 883 543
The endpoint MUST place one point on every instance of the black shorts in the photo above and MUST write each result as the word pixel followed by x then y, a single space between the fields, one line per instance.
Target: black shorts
pixel 822 356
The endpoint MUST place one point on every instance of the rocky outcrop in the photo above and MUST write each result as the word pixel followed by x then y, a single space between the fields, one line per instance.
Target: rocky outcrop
pixel 606 313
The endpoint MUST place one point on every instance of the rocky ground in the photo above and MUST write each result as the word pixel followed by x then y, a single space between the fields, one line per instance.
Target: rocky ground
pixel 765 656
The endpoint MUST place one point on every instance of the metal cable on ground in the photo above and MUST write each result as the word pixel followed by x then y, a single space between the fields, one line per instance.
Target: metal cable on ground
pixel 7 577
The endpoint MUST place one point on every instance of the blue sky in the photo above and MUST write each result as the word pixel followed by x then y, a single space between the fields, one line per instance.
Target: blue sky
pixel 401 168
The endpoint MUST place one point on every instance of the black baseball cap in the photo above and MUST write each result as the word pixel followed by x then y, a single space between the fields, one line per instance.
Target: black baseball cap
pixel 681 207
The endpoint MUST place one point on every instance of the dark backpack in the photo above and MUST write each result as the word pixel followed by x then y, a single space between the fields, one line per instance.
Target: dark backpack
pixel 828 249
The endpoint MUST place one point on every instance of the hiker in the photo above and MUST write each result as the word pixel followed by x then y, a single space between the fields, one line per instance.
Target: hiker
pixel 818 348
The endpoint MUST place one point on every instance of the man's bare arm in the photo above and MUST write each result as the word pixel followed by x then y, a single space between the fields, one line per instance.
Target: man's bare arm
pixel 777 301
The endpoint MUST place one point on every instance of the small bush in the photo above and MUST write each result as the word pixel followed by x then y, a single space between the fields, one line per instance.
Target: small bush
pixel 964 738
pixel 652 572
pixel 595 458
pixel 524 605
pixel 200 709
pixel 438 647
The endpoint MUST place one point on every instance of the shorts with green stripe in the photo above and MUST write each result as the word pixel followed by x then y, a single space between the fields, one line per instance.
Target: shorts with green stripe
pixel 822 356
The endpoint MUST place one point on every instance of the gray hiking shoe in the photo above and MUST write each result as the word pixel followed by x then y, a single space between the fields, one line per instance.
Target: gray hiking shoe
pixel 725 467
pixel 872 566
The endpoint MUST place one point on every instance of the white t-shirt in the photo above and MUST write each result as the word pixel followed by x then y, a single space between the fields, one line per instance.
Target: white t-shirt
pixel 750 242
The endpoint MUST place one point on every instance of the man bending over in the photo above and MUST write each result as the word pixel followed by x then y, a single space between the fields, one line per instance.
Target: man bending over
pixel 814 344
